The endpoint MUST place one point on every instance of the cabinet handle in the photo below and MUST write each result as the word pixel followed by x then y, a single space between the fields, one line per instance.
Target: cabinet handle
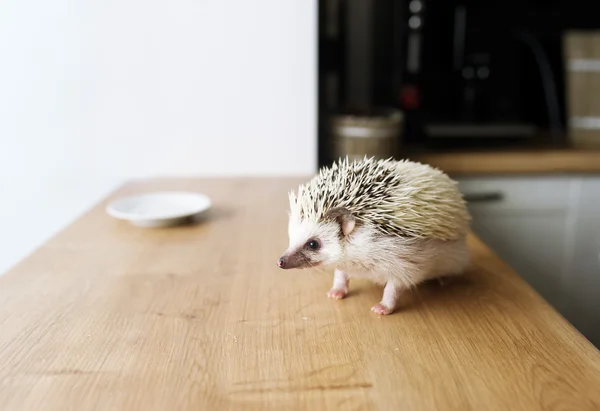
pixel 483 197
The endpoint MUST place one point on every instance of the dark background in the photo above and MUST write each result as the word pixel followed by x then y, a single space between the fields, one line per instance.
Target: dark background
pixel 362 66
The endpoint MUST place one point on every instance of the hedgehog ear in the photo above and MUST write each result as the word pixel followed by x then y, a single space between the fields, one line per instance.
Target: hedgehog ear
pixel 344 218
pixel 347 223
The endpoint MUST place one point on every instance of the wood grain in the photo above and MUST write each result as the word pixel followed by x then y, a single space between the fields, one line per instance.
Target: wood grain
pixel 106 316
pixel 546 161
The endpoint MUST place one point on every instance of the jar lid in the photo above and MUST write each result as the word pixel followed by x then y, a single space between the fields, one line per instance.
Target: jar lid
pixel 376 118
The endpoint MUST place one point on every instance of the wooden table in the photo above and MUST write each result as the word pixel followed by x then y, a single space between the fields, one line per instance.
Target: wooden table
pixel 107 316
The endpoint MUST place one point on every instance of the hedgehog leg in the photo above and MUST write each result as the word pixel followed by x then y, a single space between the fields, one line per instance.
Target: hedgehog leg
pixel 340 285
pixel 391 293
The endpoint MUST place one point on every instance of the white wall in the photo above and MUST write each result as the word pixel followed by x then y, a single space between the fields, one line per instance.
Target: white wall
pixel 95 92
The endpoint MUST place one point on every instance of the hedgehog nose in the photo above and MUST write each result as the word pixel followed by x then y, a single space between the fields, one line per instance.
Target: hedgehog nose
pixel 281 263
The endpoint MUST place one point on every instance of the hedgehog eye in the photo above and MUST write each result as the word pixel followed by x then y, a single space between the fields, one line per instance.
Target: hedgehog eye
pixel 313 245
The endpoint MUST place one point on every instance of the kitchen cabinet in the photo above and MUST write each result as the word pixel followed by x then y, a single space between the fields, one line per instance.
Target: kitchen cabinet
pixel 582 288
pixel 548 230
pixel 533 245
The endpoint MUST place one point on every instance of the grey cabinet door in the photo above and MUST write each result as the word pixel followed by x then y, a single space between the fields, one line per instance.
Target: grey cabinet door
pixel 582 285
pixel 533 244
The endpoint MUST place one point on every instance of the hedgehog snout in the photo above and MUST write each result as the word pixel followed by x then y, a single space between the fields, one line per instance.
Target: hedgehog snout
pixel 286 261
pixel 292 259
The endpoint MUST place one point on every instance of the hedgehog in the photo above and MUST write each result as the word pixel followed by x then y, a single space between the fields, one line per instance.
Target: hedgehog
pixel 397 223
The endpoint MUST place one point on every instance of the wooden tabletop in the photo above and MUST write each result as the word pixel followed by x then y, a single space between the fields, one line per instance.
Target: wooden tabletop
pixel 107 316
pixel 525 161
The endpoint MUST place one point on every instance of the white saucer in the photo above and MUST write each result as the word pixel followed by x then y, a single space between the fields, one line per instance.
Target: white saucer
pixel 159 209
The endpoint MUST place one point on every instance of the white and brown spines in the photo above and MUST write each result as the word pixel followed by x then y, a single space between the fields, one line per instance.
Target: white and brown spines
pixel 398 198
pixel 344 184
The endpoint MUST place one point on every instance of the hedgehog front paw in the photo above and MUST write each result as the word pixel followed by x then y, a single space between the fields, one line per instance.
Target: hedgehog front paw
pixel 381 309
pixel 337 293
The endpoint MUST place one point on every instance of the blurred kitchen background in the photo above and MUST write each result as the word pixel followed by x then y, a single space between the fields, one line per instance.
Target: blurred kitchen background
pixel 502 95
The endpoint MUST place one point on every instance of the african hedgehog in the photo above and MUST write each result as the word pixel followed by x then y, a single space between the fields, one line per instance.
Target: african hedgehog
pixel 397 223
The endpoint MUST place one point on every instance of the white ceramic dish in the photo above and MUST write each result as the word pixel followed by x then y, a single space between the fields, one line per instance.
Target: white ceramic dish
pixel 160 208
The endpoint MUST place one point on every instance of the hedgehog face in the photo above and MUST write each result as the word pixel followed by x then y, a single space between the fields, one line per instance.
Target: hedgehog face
pixel 315 243
pixel 311 244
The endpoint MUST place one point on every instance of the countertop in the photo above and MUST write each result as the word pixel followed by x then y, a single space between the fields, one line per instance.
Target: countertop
pixel 514 161
pixel 107 316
